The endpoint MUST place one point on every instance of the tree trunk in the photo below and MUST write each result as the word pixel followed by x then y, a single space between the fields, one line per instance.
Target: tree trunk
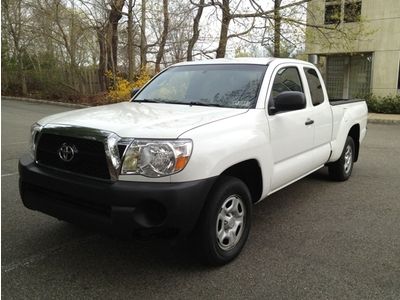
pixel 24 86
pixel 143 41
pixel 277 28
pixel 71 47
pixel 164 36
pixel 113 19
pixel 130 48
pixel 223 37
pixel 196 31
pixel 102 58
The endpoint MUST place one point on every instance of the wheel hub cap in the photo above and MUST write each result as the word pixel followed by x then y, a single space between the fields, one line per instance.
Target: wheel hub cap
pixel 348 159
pixel 230 222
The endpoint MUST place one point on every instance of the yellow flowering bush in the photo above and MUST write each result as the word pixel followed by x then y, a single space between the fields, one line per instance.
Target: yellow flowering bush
pixel 142 79
pixel 122 88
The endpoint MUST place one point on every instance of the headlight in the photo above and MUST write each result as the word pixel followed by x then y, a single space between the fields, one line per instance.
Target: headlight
pixel 156 158
pixel 35 129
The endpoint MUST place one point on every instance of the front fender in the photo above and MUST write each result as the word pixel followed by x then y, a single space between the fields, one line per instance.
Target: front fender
pixel 222 144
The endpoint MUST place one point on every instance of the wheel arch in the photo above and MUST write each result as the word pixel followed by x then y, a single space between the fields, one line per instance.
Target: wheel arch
pixel 354 133
pixel 249 171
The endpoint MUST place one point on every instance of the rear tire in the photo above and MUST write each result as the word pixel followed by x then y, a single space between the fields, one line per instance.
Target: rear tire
pixel 341 169
pixel 225 222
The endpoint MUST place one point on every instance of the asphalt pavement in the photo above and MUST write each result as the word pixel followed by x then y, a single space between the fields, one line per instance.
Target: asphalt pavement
pixel 315 239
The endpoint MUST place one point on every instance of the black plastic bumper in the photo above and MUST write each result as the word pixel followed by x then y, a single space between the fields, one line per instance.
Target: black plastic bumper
pixel 120 207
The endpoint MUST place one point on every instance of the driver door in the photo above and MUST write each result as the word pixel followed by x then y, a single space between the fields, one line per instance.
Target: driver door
pixel 291 132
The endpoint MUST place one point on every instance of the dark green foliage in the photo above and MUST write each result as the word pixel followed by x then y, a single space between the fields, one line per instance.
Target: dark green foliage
pixel 385 105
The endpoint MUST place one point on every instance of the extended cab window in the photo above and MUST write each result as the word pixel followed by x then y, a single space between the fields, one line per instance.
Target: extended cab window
pixel 317 95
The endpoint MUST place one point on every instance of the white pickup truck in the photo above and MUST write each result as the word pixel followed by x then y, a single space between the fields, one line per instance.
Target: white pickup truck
pixel 192 151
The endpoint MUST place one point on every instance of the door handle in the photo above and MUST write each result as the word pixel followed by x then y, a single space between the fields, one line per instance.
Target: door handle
pixel 309 122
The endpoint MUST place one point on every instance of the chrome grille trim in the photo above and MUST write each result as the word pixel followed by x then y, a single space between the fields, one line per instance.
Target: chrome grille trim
pixel 109 139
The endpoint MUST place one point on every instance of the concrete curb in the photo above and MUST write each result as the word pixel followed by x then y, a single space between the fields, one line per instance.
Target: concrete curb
pixel 373 118
pixel 44 102
pixel 383 121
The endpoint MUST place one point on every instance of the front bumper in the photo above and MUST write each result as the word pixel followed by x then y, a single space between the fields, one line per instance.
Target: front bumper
pixel 119 207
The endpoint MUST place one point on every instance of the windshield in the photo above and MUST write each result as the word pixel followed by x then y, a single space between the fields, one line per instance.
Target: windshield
pixel 234 85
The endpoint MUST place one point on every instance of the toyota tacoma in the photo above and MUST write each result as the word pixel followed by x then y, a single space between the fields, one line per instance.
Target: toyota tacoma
pixel 192 151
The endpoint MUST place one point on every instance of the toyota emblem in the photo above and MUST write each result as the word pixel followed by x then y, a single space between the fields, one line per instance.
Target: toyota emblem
pixel 67 152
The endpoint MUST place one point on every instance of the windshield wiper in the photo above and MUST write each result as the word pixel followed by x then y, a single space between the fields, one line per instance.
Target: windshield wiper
pixel 199 103
pixel 191 103
pixel 149 101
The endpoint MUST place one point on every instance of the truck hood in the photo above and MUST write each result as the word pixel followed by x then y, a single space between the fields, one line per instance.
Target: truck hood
pixel 143 120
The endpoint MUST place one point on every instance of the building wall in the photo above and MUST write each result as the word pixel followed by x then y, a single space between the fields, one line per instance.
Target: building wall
pixel 378 32
pixel 385 72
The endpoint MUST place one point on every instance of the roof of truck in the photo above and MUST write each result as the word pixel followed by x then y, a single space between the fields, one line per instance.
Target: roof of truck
pixel 242 60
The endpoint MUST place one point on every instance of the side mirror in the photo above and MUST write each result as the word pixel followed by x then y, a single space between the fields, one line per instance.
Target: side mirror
pixel 134 92
pixel 288 101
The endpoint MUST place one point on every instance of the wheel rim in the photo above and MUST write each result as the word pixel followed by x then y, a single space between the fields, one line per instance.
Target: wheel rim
pixel 230 222
pixel 348 159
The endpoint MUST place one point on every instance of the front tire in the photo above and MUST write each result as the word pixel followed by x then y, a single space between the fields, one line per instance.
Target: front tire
pixel 341 169
pixel 225 222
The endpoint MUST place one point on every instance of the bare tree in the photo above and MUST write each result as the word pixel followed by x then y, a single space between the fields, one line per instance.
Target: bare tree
pixel 164 36
pixel 196 30
pixel 130 46
pixel 277 28
pixel 67 30
pixel 143 40
pixel 112 33
pixel 223 36
pixel 228 16
pixel 97 13
pixel 101 39
pixel 12 11
pixel 104 18
pixel 69 38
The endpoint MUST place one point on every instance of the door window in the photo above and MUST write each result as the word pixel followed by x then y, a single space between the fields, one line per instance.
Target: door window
pixel 286 79
pixel 317 95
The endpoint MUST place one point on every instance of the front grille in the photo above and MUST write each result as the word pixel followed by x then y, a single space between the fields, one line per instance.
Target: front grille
pixel 89 159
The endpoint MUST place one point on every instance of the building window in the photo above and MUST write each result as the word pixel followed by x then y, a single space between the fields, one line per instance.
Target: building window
pixel 352 11
pixel 347 11
pixel 333 12
pixel 348 76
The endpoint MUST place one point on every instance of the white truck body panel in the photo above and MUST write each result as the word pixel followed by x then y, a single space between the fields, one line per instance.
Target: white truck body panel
pixel 345 116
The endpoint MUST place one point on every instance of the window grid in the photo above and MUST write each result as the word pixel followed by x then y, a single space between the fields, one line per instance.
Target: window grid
pixel 342 11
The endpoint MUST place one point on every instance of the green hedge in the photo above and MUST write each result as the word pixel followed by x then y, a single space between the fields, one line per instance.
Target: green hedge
pixel 385 105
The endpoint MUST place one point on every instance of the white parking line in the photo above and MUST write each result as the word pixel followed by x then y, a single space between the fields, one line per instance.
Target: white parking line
pixel 16 143
pixel 46 253
pixel 9 174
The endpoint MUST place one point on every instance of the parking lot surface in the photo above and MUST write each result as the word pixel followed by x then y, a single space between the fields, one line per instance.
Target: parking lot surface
pixel 315 239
